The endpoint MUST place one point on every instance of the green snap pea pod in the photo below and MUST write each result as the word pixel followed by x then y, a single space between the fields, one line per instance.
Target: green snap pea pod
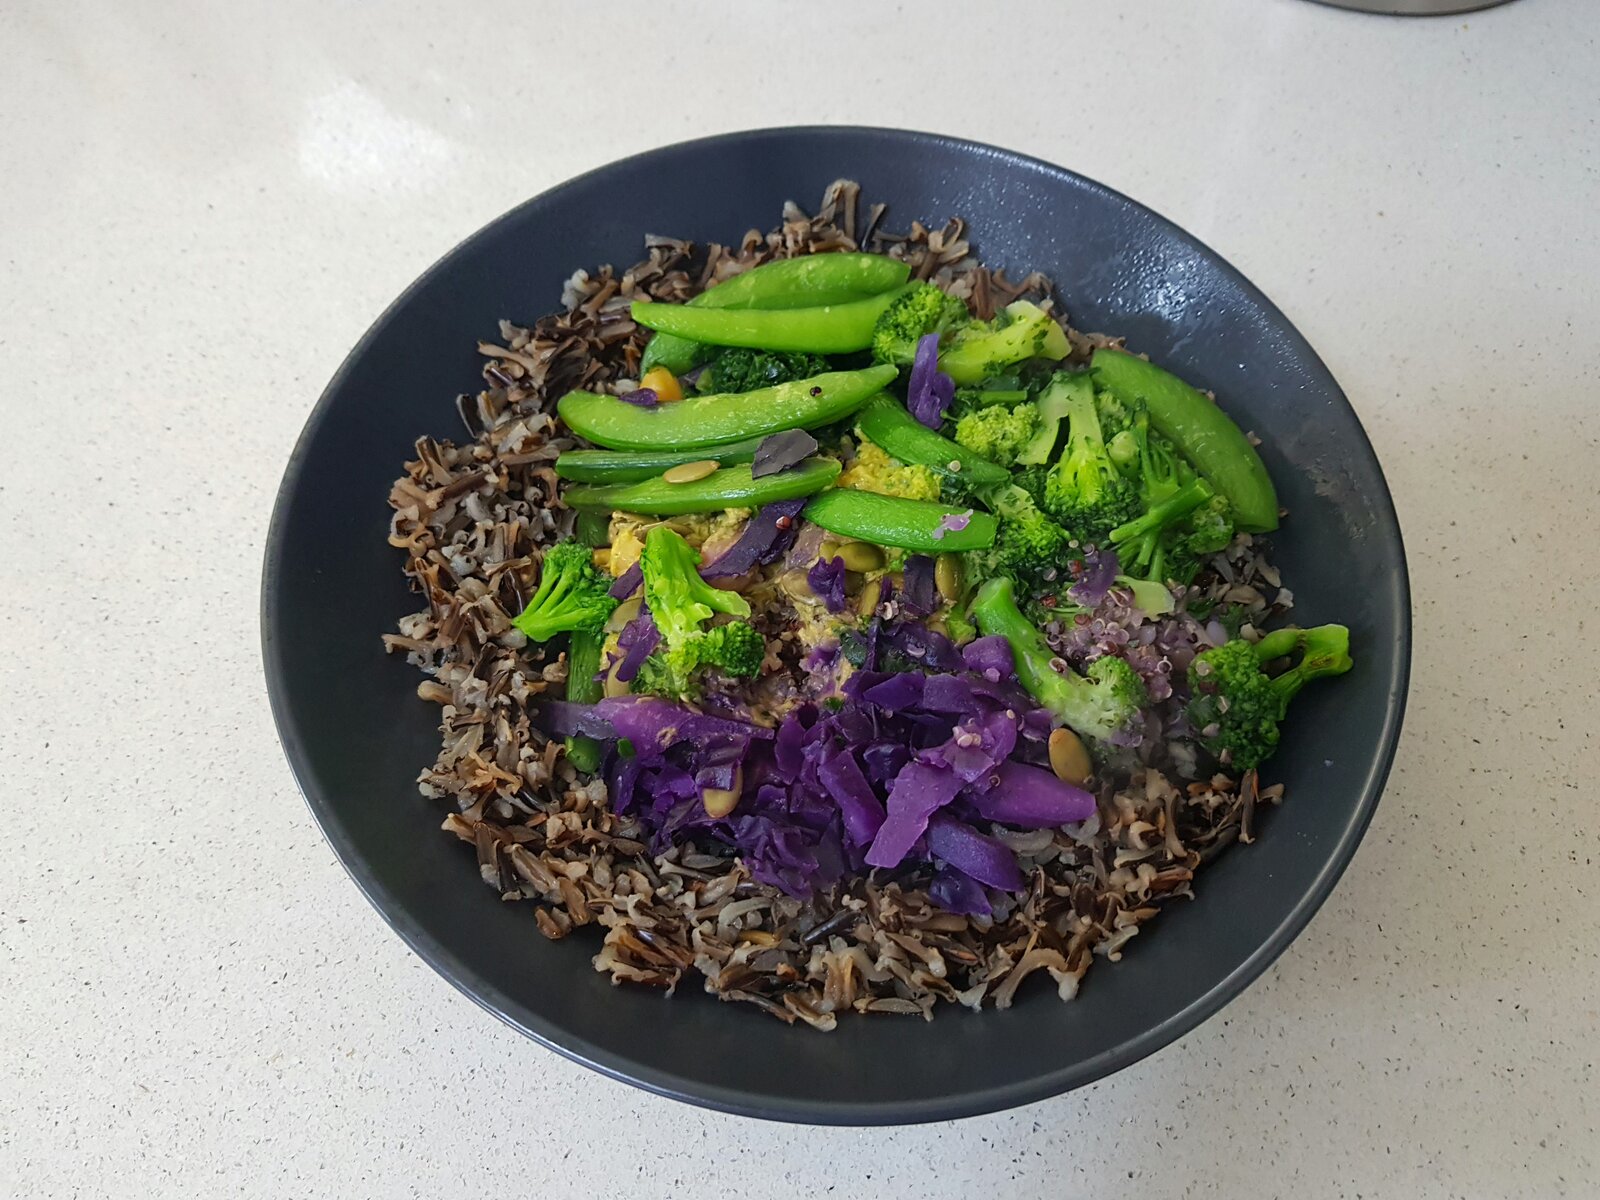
pixel 801 282
pixel 630 466
pixel 886 422
pixel 729 487
pixel 583 654
pixel 894 521
pixel 717 419
pixel 1204 433
pixel 824 329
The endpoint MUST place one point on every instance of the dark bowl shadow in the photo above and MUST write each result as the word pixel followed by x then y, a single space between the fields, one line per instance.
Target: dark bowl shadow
pixel 356 735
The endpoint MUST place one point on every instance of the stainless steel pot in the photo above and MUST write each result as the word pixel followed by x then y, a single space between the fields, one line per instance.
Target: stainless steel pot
pixel 1414 8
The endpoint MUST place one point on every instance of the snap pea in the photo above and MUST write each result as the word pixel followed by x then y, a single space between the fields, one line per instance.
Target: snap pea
pixel 730 487
pixel 630 466
pixel 718 419
pixel 786 283
pixel 1203 432
pixel 886 422
pixel 894 521
pixel 841 328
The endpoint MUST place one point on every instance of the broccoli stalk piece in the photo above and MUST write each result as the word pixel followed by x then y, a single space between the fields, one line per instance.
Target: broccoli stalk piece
pixel 1084 490
pixel 1052 406
pixel 1141 543
pixel 1096 705
pixel 739 369
pixel 572 595
pixel 680 603
pixel 998 434
pixel 970 350
pixel 1237 707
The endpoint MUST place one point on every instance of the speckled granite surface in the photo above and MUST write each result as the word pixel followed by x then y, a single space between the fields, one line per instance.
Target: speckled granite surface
pixel 203 206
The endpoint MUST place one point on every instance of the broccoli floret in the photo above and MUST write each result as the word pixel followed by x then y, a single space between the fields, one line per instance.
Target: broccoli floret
pixel 734 649
pixel 680 603
pixel 572 594
pixel 1237 708
pixel 998 434
pixel 1097 704
pixel 1210 527
pixel 970 351
pixel 1021 331
pixel 874 471
pixel 1084 490
pixel 738 369
pixel 1029 547
pixel 918 311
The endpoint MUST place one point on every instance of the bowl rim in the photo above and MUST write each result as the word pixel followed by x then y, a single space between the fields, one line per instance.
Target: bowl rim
pixel 742 1101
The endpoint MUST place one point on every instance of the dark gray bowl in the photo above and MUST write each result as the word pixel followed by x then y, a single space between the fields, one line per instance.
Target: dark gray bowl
pixel 356 734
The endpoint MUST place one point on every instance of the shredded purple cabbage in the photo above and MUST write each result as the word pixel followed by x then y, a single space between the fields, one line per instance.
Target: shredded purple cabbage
pixel 989 654
pixel 929 390
pixel 1030 798
pixel 644 397
pixel 1099 573
pixel 920 595
pixel 764 539
pixel 826 578
pixel 627 583
pixel 972 853
pixel 904 775
pixel 637 641
pixel 782 452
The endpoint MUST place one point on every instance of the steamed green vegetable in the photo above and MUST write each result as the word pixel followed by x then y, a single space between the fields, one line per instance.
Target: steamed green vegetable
pixel 910 524
pixel 841 328
pixel 1102 702
pixel 629 466
pixel 1205 434
pixel 716 420
pixel 886 423
pixel 728 487
pixel 803 282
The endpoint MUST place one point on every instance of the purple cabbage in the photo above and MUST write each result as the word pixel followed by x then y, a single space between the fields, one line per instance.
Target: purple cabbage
pixel 958 893
pixel 929 390
pixel 1099 573
pixel 990 657
pixel 627 583
pixel 764 539
pixel 1030 798
pixel 782 452
pixel 637 641
pixel 644 397
pixel 859 807
pixel 918 791
pixel 826 578
pixel 973 853
pixel 920 595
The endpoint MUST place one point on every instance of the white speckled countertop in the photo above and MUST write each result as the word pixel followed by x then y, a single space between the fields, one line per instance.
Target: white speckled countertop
pixel 204 205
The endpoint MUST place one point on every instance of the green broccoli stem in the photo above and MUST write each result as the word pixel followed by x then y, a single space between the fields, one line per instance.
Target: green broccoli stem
pixel 1168 512
pixel 1324 651
pixel 1096 706
pixel 994 610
